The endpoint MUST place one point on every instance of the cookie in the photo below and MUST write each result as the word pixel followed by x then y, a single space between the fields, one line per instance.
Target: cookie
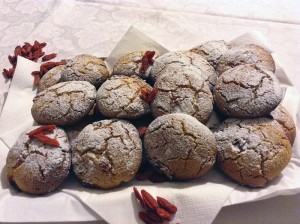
pixel 107 153
pixel 51 78
pixel 246 54
pixel 85 68
pixel 212 51
pixel 183 61
pixel 252 152
pixel 130 65
pixel 37 168
pixel 247 91
pixel 282 116
pixel 182 92
pixel 119 97
pixel 65 103
pixel 180 147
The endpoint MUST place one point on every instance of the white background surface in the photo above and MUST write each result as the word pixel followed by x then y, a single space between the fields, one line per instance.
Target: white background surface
pixel 176 25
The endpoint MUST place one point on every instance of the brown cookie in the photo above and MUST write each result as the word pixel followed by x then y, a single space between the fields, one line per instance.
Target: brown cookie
pixel 85 68
pixel 247 91
pixel 107 153
pixel 51 78
pixel 212 51
pixel 182 92
pixel 246 54
pixel 130 65
pixel 252 152
pixel 282 116
pixel 65 103
pixel 183 61
pixel 180 147
pixel 119 97
pixel 37 168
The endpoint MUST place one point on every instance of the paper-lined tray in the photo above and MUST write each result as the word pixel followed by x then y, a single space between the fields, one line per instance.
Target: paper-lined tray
pixel 198 201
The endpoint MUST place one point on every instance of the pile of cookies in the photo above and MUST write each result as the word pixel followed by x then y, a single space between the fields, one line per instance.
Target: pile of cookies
pixel 90 119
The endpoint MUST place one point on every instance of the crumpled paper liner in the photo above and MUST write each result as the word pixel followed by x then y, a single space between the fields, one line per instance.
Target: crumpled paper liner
pixel 198 201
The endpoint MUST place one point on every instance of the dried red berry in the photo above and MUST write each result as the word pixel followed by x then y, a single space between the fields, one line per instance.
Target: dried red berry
pixel 49 57
pixel 144 217
pixel 165 204
pixel 163 214
pixel 43 129
pixel 150 202
pixel 139 196
pixel 148 95
pixel 146 60
pixel 46 140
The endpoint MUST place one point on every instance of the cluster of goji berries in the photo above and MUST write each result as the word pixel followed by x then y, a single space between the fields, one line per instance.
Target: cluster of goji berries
pixel 148 95
pixel 32 52
pixel 156 211
pixel 40 134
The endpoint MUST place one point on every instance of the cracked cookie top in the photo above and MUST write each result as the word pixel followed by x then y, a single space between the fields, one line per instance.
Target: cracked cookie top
pixel 247 91
pixel 182 92
pixel 252 151
pixel 36 168
pixel 246 54
pixel 180 147
pixel 182 61
pixel 85 68
pixel 51 78
pixel 212 51
pixel 282 116
pixel 107 153
pixel 119 97
pixel 130 65
pixel 64 103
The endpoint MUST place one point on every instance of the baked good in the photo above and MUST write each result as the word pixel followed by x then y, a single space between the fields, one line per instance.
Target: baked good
pixel 183 60
pixel 107 153
pixel 247 91
pixel 64 103
pixel 130 65
pixel 182 92
pixel 252 152
pixel 180 147
pixel 282 116
pixel 119 97
pixel 85 68
pixel 37 168
pixel 246 54
pixel 212 51
pixel 51 78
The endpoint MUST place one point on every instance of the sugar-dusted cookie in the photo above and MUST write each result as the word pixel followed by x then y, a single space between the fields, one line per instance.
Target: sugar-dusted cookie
pixel 247 91
pixel 252 152
pixel 107 153
pixel 246 54
pixel 85 68
pixel 183 61
pixel 51 78
pixel 64 103
pixel 131 65
pixel 282 116
pixel 182 92
pixel 212 51
pixel 38 168
pixel 119 97
pixel 180 147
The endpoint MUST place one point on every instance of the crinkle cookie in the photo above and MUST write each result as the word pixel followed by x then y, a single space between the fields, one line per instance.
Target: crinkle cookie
pixel 51 78
pixel 246 54
pixel 65 103
pixel 180 147
pixel 252 152
pixel 37 168
pixel 184 60
pixel 212 51
pixel 282 116
pixel 182 92
pixel 85 68
pixel 247 91
pixel 107 153
pixel 119 97
pixel 130 65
